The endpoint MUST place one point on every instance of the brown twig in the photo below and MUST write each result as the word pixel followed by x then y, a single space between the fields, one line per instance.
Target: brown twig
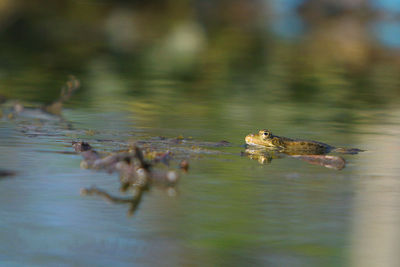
pixel 133 201
pixel 67 91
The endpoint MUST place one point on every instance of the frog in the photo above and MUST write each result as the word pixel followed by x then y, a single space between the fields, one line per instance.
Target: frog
pixel 266 139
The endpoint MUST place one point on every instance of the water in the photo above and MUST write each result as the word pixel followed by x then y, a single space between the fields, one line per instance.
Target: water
pixel 333 80
pixel 230 209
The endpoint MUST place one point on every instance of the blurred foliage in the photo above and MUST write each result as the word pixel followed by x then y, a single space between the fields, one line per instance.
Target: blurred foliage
pixel 202 49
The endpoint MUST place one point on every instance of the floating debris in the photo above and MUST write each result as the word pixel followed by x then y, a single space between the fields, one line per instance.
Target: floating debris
pixel 48 112
pixel 136 174
pixel 184 165
pixel 67 91
pixel 6 173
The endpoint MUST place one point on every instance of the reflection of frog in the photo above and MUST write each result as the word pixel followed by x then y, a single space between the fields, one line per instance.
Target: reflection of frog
pixel 290 146
pixel 265 156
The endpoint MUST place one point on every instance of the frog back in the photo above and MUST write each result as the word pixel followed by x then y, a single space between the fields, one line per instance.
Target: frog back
pixel 292 146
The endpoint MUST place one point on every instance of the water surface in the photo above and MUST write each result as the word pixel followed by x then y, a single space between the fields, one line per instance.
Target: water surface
pixel 229 210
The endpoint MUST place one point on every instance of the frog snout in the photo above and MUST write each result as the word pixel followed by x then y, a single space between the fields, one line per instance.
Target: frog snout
pixel 248 138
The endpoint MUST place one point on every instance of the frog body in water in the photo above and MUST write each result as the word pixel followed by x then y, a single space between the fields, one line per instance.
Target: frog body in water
pixel 264 138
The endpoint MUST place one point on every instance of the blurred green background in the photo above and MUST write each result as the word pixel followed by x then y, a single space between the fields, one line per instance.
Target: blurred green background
pixel 341 53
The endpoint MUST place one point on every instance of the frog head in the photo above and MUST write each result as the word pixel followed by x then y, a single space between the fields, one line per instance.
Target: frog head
pixel 262 138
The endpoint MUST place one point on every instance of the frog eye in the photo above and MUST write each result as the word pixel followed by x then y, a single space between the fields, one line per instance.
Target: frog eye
pixel 265 133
